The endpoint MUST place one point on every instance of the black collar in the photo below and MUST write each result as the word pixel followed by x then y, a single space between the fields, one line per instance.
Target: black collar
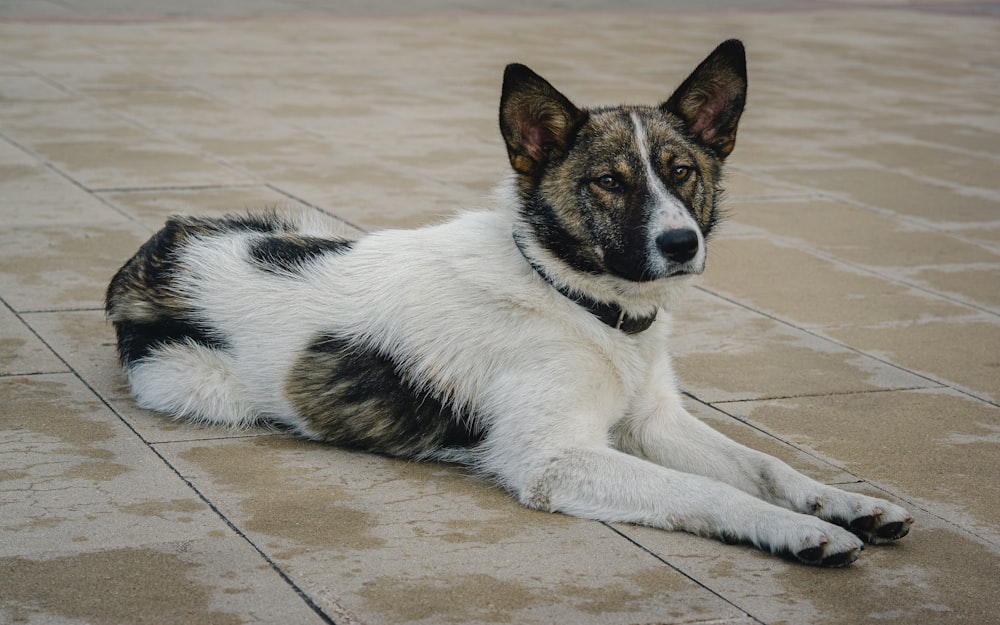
pixel 609 313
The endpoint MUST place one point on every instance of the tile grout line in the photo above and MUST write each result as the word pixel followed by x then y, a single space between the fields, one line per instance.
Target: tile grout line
pixel 137 123
pixel 815 334
pixel 812 250
pixel 896 389
pixel 799 191
pixel 678 570
pixel 232 526
pixel 180 187
pixel 315 207
pixel 862 480
pixel 65 175
pixel 98 192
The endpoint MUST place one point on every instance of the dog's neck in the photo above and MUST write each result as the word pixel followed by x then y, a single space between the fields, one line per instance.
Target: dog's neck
pixel 610 313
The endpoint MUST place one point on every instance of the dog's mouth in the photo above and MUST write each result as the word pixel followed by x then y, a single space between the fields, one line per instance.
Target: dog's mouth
pixel 623 267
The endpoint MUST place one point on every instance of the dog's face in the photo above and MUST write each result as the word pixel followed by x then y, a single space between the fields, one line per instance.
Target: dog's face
pixel 627 191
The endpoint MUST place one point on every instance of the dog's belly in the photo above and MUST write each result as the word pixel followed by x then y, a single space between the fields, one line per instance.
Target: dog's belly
pixel 353 396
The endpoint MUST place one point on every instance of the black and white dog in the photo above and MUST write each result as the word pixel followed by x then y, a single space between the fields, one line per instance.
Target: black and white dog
pixel 529 343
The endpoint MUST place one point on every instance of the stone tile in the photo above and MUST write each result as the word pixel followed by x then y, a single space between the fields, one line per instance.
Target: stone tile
pixel 814 292
pixel 21 352
pixel 948 133
pixel 776 443
pixel 935 445
pixel 861 236
pixel 929 162
pixel 744 185
pixel 32 194
pixel 899 193
pixel 985 233
pixel 10 154
pixel 113 164
pixel 215 581
pixel 152 208
pixel 60 268
pixel 86 340
pixel 230 131
pixel 935 575
pixel 31 123
pixel 101 149
pixel 162 105
pixel 930 348
pixel 16 89
pixel 395 542
pixel 724 352
pixel 775 149
pixel 978 285
pixel 26 8
pixel 75 476
pixel 279 155
pixel 383 197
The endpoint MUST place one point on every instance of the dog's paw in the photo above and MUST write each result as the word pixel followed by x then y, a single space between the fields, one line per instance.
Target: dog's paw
pixel 830 548
pixel 882 525
pixel 874 520
pixel 816 542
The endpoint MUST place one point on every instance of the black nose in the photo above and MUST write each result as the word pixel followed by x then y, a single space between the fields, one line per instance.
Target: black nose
pixel 678 245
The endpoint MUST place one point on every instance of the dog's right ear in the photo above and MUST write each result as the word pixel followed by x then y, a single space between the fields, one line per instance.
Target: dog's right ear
pixel 535 119
pixel 712 98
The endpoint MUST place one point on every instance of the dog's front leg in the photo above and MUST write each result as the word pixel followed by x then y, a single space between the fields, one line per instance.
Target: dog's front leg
pixel 608 485
pixel 665 433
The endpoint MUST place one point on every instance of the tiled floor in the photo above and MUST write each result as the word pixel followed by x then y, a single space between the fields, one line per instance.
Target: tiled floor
pixel 849 320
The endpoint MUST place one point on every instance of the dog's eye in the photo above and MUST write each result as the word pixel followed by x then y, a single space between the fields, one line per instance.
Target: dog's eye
pixel 608 183
pixel 681 173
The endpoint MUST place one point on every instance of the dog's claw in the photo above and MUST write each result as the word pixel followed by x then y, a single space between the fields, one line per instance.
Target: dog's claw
pixel 871 528
pixel 841 559
pixel 815 556
pixel 894 531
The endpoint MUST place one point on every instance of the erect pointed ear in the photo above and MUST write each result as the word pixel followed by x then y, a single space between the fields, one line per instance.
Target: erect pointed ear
pixel 535 119
pixel 711 100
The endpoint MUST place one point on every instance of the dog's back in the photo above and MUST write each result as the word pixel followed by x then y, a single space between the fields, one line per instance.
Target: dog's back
pixel 265 317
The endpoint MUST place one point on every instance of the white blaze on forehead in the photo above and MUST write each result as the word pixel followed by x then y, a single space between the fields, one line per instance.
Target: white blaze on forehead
pixel 665 200
pixel 669 212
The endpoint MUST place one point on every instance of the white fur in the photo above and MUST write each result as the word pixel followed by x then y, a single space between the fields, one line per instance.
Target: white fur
pixel 582 418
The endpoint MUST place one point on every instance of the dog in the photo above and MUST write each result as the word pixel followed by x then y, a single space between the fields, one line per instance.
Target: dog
pixel 529 343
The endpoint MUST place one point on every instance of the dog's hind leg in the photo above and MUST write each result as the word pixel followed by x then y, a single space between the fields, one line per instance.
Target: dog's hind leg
pixel 192 381
pixel 609 485
pixel 669 436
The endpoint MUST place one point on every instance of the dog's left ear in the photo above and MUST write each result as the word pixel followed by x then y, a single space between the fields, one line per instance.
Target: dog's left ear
pixel 711 100
pixel 536 121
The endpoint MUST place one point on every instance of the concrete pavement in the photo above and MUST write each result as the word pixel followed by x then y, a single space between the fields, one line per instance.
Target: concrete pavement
pixel 848 322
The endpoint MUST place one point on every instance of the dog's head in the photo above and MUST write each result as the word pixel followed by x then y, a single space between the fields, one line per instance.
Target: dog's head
pixel 629 191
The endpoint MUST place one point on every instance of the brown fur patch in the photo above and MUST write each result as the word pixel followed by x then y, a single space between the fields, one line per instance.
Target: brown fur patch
pixel 351 395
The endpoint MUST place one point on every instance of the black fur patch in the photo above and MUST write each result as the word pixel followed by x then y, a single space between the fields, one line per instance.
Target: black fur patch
pixel 552 234
pixel 356 397
pixel 136 339
pixel 267 222
pixel 288 253
pixel 142 300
